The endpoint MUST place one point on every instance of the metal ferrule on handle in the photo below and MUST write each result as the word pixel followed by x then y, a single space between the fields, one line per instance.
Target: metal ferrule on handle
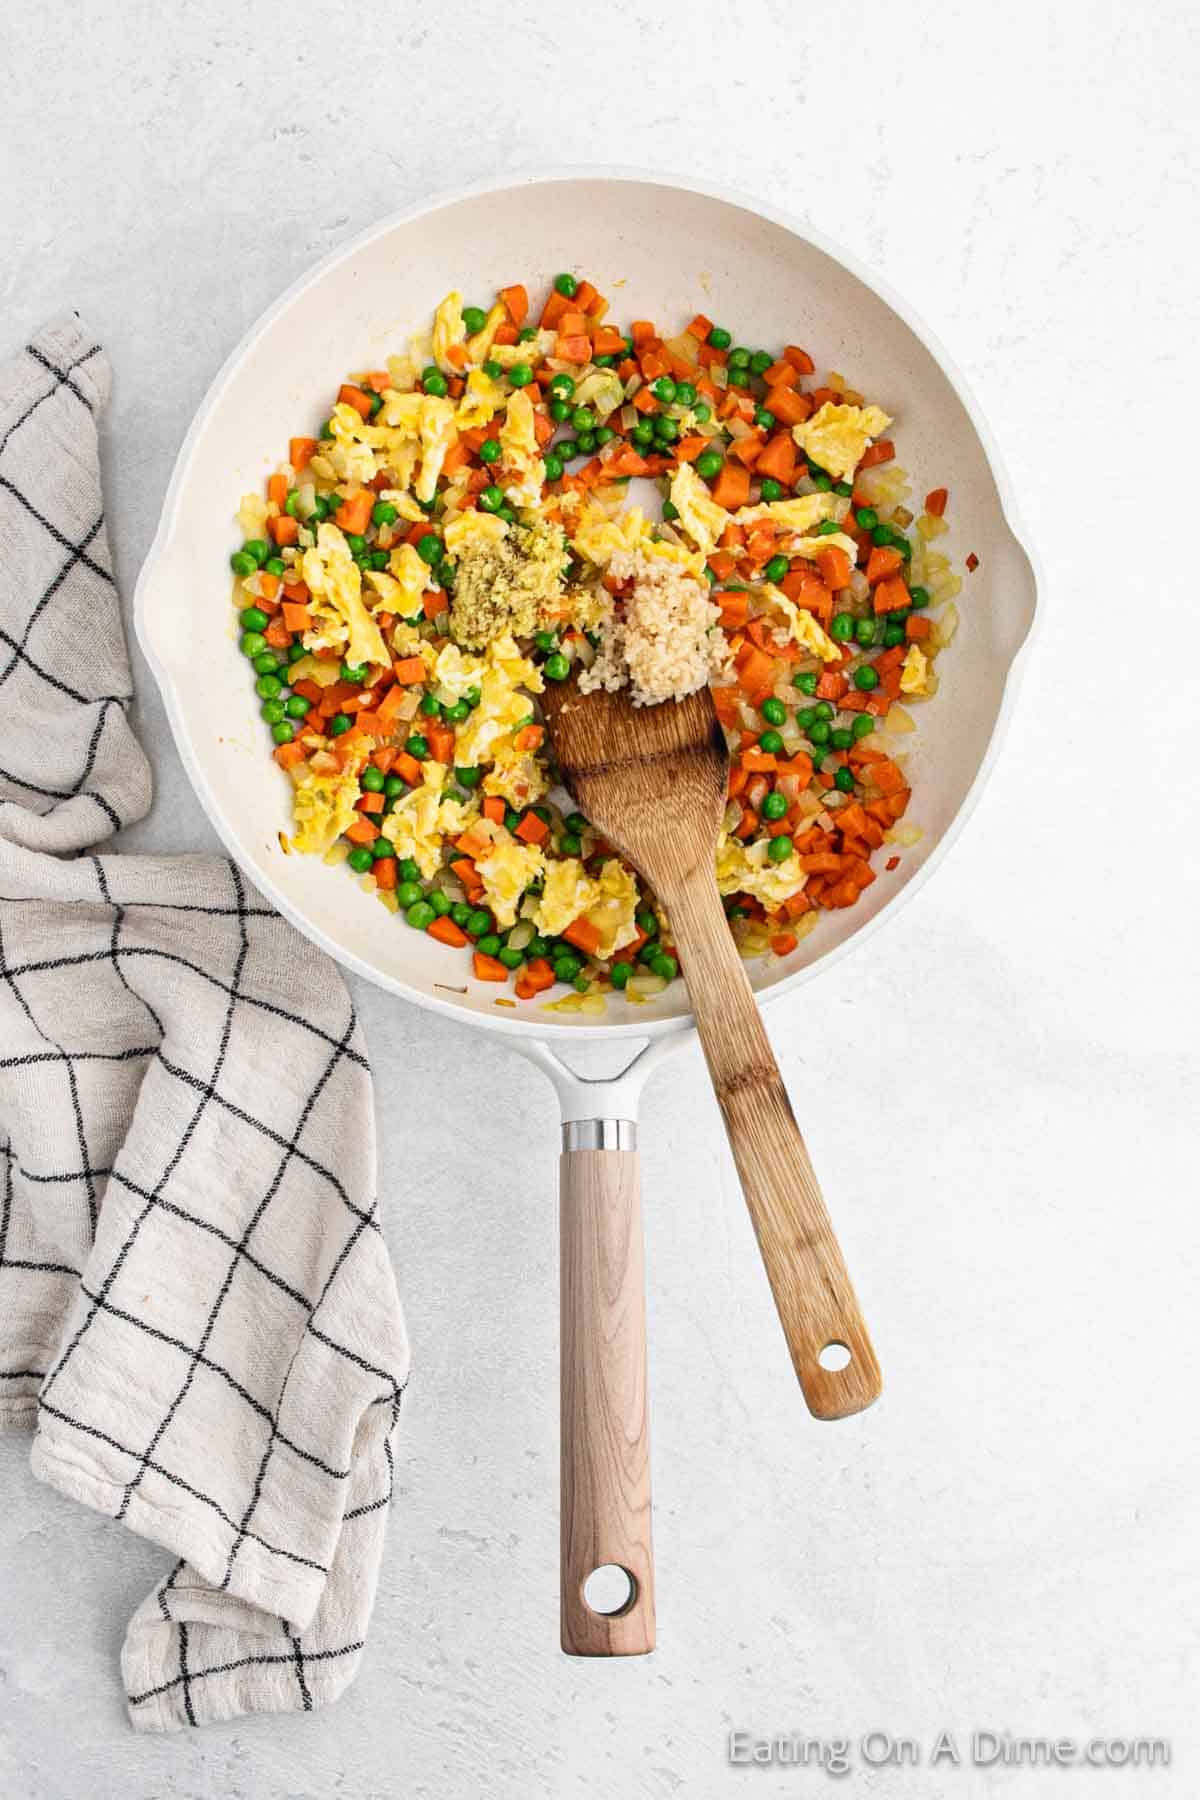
pixel 599 1134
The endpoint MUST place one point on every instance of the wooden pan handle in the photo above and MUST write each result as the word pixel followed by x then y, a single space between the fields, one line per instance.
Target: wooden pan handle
pixel 605 1439
pixel 816 1302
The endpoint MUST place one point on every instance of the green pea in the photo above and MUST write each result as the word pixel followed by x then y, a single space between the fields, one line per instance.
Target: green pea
pixel 807 717
pixel 739 377
pixel 378 559
pixel 843 779
pixel 537 946
pixel 566 968
pixel 291 503
pixel 492 369
pixel 719 338
pixel 702 411
pixel 566 285
pixel 774 806
pixel 893 635
pixel 586 442
pixel 825 710
pixel 393 787
pixel 882 535
pixel 771 742
pixel 556 667
pixel 356 542
pixel 864 631
pixel 583 419
pixel 664 965
pixel 570 844
pixel 863 725
pixel 283 732
pixel 360 859
pixel 826 528
pixel 739 358
pixel 818 760
pixel 603 434
pixel 253 618
pixel 708 464
pixel 327 429
pixel 258 548
pixel 461 911
pixel 776 569
pixel 568 450
pixel 433 381
pixel 275 565
pixel 919 597
pixel 430 549
pixel 454 715
pixel 431 706
pixel 295 652
pixel 407 869
pixel 562 384
pixel 764 417
pixel 643 434
pixel 780 848
pixel 806 681
pixel 560 411
pixel 355 672
pixel 381 848
pixel 417 746
pixel 340 723
pixel 376 405
pixel 770 490
pixel 520 375
pixel 479 922
pixel 420 916
pixel 372 779
pixel 474 318
pixel 273 711
pixel 669 510
pixel 384 513
pixel 842 627
pixel 866 677
pixel 511 819
pixel 666 430
pixel 439 903
pixel 554 467
pixel 472 696
pixel 619 973
pixel 820 479
pixel 268 687
pixel 242 563
pixel 512 959
pixel 575 822
pixel 489 943
pixel 295 706
pixel 773 711
pixel 252 644
pixel 604 362
pixel 843 488
pixel 819 731
pixel 407 894
pixel 841 739
pixel 647 920
pixel 664 389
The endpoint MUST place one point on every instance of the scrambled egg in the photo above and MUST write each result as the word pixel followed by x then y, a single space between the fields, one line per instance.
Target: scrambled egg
pixel 455 673
pixel 479 346
pixel 524 470
pixel 800 514
pixel 505 875
pixel 502 708
pixel 803 627
pixel 699 514
pixel 422 818
pixel 598 537
pixel 335 584
pixel 836 436
pixel 402 589
pixel 811 547
pixel 324 807
pixel 412 423
pixel 474 528
pixel 747 869
pixel 479 402
pixel 516 776
pixel 914 671
pixel 437 435
pixel 609 902
pixel 448 330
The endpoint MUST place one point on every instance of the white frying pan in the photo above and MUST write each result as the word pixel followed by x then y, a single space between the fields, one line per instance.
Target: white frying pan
pixel 661 250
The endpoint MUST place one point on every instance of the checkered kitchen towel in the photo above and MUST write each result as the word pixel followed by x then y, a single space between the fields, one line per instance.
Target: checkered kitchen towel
pixel 197 1312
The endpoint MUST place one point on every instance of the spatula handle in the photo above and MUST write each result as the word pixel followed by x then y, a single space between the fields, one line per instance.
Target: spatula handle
pixel 816 1302
pixel 605 1437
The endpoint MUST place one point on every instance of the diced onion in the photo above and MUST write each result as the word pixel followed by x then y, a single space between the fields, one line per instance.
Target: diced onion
pixel 520 935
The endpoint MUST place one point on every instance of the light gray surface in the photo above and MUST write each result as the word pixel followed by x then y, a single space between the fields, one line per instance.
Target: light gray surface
pixel 1000 1092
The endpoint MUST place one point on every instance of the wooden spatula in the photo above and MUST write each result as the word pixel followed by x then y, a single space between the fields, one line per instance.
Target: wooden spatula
pixel 653 780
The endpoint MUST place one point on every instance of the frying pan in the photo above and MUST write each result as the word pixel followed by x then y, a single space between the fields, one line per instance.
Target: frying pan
pixel 662 249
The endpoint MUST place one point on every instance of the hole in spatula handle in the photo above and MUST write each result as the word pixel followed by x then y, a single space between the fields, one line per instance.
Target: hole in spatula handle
pixel 610 1590
pixel 834 1357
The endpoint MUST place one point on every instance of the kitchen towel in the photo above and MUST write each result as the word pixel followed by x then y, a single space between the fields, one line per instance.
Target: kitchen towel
pixel 198 1316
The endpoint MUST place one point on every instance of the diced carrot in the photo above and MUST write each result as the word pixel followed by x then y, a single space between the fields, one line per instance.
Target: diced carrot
pixel 409 767
pixel 748 824
pixel 831 686
pixel 554 309
pixel 408 670
pixel 354 514
pixel 447 932
pixel 935 502
pixel 441 741
pixel 516 302
pixel 350 395
pixel 384 871
pixel 296 618
pixel 488 968
pixel 370 803
pixel 607 341
pixel 283 528
pixel 277 489
pixel 722 563
pixel 288 755
pixel 799 359
pixel 576 349
pixel 747 449
pixel 532 830
pixel 464 869
pixel 834 565
pixel 363 830
pixel 735 609
pixel 644 401
pixel 529 738
pixel 784 943
pixel 301 451
pixel 534 978
pixel 627 462
pixel 731 489
pixel 699 327
pixel 710 358
pixel 789 407
pixel 494 808
pixel 434 601
pixel 726 704
pixel 777 459
pixel 295 590
pixel 781 374
pixel 641 331
pixel 883 561
pixel 583 934
pixel 891 594
pixel 758 762
pixel 917 628
pixel 883 450
pixel 278 636
pixel 689 448
pixel 505 334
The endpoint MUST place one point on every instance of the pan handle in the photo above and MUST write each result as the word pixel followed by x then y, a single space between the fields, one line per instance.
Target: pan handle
pixel 606 1562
